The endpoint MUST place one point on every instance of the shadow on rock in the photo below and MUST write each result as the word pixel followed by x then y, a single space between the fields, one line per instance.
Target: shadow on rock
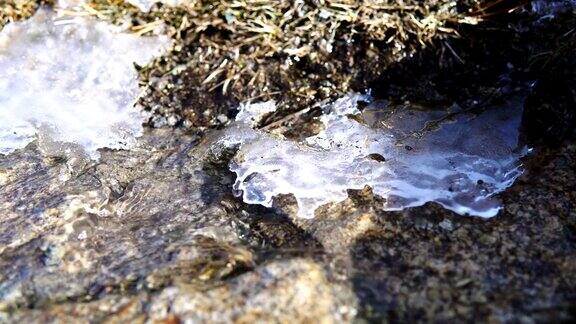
pixel 427 264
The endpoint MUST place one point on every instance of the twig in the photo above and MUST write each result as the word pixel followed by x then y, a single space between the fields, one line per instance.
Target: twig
pixel 454 52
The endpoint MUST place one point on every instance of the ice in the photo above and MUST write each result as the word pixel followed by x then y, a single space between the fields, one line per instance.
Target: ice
pixel 460 163
pixel 68 4
pixel 252 114
pixel 71 80
pixel 145 5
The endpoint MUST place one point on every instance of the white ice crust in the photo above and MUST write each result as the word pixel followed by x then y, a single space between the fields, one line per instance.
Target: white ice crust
pixel 459 165
pixel 145 5
pixel 252 113
pixel 70 80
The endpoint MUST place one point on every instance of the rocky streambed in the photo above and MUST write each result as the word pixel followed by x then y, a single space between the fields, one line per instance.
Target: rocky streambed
pixel 122 223
pixel 153 233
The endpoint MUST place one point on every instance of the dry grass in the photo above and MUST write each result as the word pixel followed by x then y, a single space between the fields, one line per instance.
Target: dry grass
pixel 292 51
pixel 14 10
pixel 295 51
pixel 234 41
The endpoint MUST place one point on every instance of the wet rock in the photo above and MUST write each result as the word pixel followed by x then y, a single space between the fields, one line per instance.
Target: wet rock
pixel 281 291
pixel 155 234
pixel 134 215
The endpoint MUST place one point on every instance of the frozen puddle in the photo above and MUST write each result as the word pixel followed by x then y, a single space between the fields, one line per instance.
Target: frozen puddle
pixel 460 163
pixel 71 83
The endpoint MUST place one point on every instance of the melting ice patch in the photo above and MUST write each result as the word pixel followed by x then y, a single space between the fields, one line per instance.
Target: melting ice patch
pixel 407 159
pixel 70 81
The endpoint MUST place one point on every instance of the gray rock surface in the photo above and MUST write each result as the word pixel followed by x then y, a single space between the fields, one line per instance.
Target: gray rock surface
pixel 117 223
pixel 154 234
pixel 281 291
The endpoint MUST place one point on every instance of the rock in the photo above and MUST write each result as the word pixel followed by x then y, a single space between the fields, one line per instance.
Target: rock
pixel 135 213
pixel 281 291
pixel 427 263
pixel 293 290
pixel 154 234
